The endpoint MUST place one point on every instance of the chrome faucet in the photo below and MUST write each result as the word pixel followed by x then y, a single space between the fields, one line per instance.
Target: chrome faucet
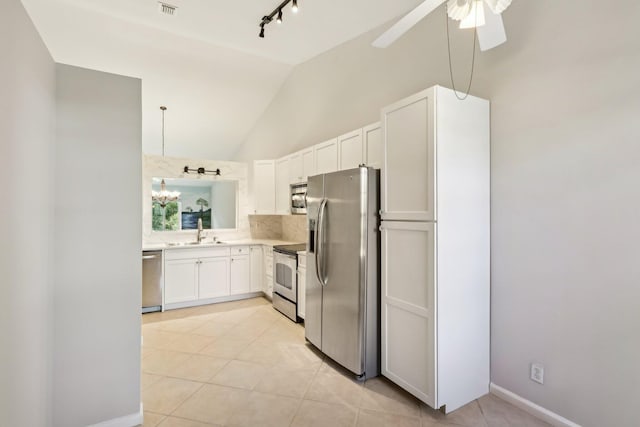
pixel 200 231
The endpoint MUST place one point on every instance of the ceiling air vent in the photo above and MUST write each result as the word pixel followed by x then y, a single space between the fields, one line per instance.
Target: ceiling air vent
pixel 167 9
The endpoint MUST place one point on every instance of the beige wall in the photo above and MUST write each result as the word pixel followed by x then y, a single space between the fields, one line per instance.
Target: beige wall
pixel 565 95
pixel 98 270
pixel 27 120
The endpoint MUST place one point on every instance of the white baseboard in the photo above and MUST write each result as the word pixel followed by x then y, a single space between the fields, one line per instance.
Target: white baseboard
pixel 130 420
pixel 530 407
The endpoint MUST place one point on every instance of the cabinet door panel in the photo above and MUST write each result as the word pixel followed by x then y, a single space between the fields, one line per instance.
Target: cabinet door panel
pixel 180 281
pixel 240 275
pixel 350 147
pixel 408 307
pixel 302 289
pixel 214 277
pixel 327 157
pixel 296 168
pixel 308 163
pixel 257 273
pixel 408 186
pixel 373 151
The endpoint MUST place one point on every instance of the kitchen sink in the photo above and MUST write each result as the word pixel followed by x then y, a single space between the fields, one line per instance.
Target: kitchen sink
pixel 174 244
pixel 183 244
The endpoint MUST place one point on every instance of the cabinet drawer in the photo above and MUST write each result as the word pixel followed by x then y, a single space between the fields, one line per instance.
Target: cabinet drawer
pixel 240 250
pixel 170 254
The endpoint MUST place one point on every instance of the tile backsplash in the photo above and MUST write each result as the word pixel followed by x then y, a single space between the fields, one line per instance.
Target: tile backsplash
pixel 279 227
pixel 265 226
pixel 294 228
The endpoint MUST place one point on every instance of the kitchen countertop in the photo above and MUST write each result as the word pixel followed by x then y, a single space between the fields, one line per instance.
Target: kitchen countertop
pixel 226 243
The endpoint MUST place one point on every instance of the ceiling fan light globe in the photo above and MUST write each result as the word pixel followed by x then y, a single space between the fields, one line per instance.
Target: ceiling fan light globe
pixel 475 18
pixel 498 6
pixel 458 9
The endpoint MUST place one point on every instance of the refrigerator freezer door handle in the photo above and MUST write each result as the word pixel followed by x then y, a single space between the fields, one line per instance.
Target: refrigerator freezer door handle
pixel 319 258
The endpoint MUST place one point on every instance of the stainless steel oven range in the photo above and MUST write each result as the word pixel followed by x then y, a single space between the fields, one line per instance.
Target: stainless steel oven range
pixel 285 279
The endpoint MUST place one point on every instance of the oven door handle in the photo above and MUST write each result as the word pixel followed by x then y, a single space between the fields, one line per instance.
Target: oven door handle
pixel 319 247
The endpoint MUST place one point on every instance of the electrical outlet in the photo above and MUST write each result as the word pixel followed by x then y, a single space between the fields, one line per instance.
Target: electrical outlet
pixel 537 373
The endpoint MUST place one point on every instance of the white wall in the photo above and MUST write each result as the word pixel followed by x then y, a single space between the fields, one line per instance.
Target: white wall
pixel 27 120
pixel 213 94
pixel 97 299
pixel 565 95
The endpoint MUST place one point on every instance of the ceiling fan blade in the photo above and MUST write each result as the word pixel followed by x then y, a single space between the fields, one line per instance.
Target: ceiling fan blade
pixel 492 33
pixel 406 23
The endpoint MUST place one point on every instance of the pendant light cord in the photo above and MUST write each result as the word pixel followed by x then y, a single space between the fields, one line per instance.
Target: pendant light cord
pixel 473 58
pixel 163 110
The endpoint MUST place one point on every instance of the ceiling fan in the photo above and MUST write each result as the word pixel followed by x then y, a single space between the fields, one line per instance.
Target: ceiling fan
pixel 470 13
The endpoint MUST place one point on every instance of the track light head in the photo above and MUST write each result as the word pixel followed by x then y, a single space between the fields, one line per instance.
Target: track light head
pixel 277 14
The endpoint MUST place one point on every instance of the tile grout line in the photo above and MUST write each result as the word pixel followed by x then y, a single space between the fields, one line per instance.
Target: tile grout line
pixel 304 395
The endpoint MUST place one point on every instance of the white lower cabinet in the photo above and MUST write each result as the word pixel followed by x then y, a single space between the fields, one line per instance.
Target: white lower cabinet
pixel 215 274
pixel 257 271
pixel 240 277
pixel 214 277
pixel 205 275
pixel 302 289
pixel 268 271
pixel 180 280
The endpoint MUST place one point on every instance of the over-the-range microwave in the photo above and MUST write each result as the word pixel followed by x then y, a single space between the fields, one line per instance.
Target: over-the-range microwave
pixel 299 199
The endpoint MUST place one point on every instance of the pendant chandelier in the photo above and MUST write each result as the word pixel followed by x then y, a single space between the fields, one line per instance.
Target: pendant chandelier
pixel 163 196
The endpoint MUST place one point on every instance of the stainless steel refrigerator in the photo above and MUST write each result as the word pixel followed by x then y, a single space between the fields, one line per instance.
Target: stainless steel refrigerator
pixel 343 281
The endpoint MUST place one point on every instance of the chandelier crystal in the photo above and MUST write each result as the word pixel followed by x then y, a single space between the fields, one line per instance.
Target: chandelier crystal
pixel 163 197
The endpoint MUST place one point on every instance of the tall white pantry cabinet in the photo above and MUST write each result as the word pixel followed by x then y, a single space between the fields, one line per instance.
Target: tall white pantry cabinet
pixel 435 247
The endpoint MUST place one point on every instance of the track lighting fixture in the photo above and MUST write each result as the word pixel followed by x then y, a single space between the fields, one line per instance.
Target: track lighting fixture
pixel 277 13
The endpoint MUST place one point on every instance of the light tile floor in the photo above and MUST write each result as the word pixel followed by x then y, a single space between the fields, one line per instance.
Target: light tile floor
pixel 244 364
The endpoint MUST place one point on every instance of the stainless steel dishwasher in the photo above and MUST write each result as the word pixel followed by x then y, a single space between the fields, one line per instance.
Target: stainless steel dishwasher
pixel 151 281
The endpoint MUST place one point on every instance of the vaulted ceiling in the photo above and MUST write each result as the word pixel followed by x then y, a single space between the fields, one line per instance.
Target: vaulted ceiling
pixel 206 63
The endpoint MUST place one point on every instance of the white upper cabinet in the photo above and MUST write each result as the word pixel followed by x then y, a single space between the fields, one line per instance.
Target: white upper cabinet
pixel 372 145
pixel 296 168
pixel 283 191
pixel 327 156
pixel 408 172
pixel 350 150
pixel 308 163
pixel 264 189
